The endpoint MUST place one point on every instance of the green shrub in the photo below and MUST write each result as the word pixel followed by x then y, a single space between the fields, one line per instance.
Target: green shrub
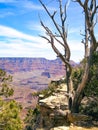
pixel 9 109
pixel 47 92
pixel 32 119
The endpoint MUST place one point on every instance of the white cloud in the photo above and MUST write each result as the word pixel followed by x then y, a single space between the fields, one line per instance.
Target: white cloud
pixel 77 50
pixel 31 5
pixel 23 49
pixel 35 26
pixel 17 44
pixel 22 5
pixel 12 37
pixel 13 33
pixel 76 45
pixel 77 56
pixel 74 30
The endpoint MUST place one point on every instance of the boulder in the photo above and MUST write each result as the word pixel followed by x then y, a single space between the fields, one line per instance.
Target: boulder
pixel 52 107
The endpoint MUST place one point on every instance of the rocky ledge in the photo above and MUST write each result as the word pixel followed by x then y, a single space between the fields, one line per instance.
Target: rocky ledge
pixel 57 100
pixel 54 111
pixel 52 107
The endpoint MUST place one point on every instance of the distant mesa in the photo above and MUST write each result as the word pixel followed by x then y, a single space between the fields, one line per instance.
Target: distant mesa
pixel 46 74
pixel 54 67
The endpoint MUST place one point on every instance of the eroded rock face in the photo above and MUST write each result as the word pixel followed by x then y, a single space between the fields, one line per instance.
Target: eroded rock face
pixel 57 99
pixel 54 111
pixel 46 74
pixel 51 106
pixel 12 65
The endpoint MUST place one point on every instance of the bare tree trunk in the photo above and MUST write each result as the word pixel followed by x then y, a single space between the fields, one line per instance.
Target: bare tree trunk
pixel 69 88
pixel 81 86
pixel 52 37
pixel 90 11
pixel 79 91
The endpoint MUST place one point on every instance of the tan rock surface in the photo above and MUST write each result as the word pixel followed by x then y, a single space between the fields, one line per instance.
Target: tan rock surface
pixel 57 99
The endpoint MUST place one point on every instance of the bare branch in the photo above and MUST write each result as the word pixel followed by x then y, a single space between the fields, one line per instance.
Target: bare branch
pixel 63 18
pixel 80 2
pixel 90 12
pixel 53 38
pixel 50 33
pixel 89 8
pixel 51 16
pixel 51 41
pixel 86 3
pixel 65 13
pixel 90 22
pixel 93 8
pixel 63 32
pixel 60 55
pixel 45 38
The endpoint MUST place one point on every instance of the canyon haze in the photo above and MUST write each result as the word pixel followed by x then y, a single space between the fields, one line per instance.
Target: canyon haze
pixel 30 75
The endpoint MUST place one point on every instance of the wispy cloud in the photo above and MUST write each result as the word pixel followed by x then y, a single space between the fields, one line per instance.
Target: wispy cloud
pixel 76 45
pixel 5 14
pixel 25 49
pixel 18 44
pixel 77 50
pixel 18 7
pixel 13 33
pixel 35 26
pixel 30 5
pixel 73 30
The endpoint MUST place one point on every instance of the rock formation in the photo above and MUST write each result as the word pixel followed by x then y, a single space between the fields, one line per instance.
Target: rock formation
pixel 52 107
pixel 54 111
pixel 46 74
pixel 12 65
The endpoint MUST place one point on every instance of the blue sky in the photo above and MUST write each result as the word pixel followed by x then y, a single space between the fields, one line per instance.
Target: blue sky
pixel 20 29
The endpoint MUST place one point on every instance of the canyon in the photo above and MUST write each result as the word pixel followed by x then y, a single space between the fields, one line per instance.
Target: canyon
pixel 31 75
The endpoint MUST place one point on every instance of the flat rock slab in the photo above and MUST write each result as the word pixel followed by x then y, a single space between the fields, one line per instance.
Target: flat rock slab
pixel 60 128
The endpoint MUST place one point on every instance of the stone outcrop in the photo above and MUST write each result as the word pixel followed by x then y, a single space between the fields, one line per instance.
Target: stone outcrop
pixel 54 111
pixel 45 74
pixel 52 107
pixel 57 99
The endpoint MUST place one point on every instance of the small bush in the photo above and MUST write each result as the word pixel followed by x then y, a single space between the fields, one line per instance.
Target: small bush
pixel 47 92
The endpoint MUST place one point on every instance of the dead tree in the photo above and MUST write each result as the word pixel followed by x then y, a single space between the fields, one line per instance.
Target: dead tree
pixel 90 8
pixel 53 38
